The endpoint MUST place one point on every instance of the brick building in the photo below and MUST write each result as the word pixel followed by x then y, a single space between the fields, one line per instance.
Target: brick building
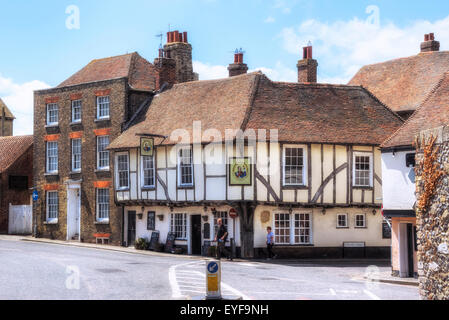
pixel 6 120
pixel 16 174
pixel 74 123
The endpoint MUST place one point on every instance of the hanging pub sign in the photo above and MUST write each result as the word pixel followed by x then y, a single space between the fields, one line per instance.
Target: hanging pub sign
pixel 240 172
pixel 146 146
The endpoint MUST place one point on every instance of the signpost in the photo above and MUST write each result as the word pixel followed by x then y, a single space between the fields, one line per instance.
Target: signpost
pixel 35 195
pixel 213 280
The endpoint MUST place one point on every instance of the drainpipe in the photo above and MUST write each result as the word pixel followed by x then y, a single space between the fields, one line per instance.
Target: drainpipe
pixel 123 227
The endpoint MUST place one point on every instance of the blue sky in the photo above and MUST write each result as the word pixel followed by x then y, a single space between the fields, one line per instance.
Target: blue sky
pixel 38 50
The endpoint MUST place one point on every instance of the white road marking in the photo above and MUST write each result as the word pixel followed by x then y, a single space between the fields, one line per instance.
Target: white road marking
pixel 371 295
pixel 194 281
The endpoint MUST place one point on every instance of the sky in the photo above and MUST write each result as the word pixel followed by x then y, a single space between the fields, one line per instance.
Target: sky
pixel 44 42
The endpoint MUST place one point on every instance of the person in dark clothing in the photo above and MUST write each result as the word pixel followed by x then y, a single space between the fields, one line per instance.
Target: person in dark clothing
pixel 270 244
pixel 222 235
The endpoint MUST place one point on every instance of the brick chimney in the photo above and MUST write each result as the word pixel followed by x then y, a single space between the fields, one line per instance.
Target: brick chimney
pixel 307 67
pixel 429 44
pixel 238 67
pixel 166 70
pixel 179 49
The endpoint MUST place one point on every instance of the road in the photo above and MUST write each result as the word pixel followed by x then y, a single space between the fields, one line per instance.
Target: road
pixel 40 271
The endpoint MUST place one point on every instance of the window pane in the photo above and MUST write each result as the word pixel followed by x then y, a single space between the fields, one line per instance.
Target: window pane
pixel 293 166
pixel 76 154
pixel 186 166
pixel 76 111
pixel 52 205
pixel 103 107
pixel 102 153
pixel 52 156
pixel 103 204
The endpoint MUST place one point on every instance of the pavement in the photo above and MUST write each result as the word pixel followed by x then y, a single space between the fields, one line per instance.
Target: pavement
pixel 378 276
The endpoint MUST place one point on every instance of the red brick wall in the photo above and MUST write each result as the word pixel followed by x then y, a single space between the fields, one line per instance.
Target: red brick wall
pixel 118 92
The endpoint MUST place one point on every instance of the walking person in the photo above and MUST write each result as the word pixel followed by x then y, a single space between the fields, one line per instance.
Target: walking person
pixel 221 236
pixel 270 244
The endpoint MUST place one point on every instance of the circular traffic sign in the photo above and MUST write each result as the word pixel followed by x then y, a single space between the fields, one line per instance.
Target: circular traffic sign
pixel 35 195
pixel 212 267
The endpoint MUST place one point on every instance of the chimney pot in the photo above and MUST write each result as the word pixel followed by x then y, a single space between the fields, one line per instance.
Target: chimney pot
pixel 432 36
pixel 185 37
pixel 181 37
pixel 176 36
pixel 426 37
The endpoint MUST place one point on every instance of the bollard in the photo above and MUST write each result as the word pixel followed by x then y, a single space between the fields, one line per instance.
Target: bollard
pixel 213 280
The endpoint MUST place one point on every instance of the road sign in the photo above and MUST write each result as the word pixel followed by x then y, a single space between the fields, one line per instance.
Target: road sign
pixel 35 195
pixel 213 280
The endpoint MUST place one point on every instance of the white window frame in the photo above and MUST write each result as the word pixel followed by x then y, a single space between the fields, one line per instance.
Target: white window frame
pixel 304 168
pixel 118 170
pixel 364 221
pixel 183 225
pixel 180 184
pixel 104 168
pixel 80 106
pixel 346 221
pixel 292 228
pixel 363 154
pixel 52 123
pixel 47 157
pixel 102 220
pixel 142 172
pixel 73 156
pixel 53 219
pixel 101 103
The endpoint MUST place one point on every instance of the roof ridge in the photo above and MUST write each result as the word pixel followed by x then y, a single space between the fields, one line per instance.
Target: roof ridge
pixel 117 56
pixel 428 96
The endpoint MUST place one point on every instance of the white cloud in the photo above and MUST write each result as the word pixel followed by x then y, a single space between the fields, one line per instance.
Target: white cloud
pixel 279 73
pixel 285 5
pixel 342 47
pixel 207 71
pixel 19 99
pixel 270 19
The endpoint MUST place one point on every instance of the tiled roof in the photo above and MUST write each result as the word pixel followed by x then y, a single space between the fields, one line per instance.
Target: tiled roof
pixel 301 112
pixel 11 148
pixel 404 83
pixel 140 72
pixel 8 112
pixel 434 112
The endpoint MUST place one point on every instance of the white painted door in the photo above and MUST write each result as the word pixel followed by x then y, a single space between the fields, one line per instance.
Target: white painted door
pixel 20 219
pixel 73 214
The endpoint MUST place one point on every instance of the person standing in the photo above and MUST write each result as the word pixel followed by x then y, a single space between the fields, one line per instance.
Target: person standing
pixel 221 236
pixel 270 243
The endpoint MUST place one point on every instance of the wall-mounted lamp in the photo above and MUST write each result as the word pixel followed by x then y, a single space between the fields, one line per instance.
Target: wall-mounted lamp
pixel 205 209
pixel 161 217
pixel 374 212
pixel 323 211
pixel 205 218
pixel 140 215
pixel 290 210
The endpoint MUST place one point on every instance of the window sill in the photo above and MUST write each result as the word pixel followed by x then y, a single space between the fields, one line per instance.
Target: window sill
pixel 102 120
pixel 122 189
pixel 75 172
pixel 75 123
pixel 51 222
pixel 360 227
pixel 186 187
pixel 102 170
pixel 148 188
pixel 51 174
pixel 106 222
pixel 298 187
pixel 52 125
pixel 362 188
pixel 342 227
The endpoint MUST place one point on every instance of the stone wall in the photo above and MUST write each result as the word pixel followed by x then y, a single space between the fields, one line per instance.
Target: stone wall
pixel 433 222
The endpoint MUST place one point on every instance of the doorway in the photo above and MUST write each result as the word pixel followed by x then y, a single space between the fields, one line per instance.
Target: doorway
pixel 406 250
pixel 196 234
pixel 131 228
pixel 73 213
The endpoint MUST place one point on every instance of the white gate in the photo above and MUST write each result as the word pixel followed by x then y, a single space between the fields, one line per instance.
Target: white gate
pixel 20 219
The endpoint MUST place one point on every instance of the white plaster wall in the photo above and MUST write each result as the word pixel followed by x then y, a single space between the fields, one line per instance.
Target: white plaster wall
pixel 398 189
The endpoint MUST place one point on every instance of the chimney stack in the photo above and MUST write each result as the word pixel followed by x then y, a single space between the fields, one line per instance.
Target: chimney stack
pixel 307 67
pixel 179 49
pixel 238 67
pixel 429 44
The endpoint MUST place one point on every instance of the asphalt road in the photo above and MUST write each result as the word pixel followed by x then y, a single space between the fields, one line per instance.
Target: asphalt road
pixel 48 272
